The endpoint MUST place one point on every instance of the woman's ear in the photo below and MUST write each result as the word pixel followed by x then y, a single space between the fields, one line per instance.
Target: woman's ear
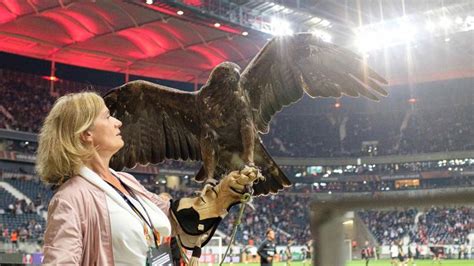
pixel 86 137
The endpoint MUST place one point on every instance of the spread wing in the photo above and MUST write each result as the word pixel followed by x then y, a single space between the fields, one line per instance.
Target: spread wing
pixel 158 123
pixel 288 67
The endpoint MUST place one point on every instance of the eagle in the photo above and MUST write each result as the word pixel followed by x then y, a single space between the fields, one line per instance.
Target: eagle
pixel 220 124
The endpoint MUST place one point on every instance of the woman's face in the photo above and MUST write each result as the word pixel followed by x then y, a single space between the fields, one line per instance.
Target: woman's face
pixel 105 133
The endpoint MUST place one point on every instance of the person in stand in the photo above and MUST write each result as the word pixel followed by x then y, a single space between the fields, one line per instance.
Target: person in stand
pixel 267 248
pixel 99 216
pixel 14 239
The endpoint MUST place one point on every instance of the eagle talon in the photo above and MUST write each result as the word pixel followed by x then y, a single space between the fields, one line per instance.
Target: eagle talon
pixel 212 182
pixel 209 185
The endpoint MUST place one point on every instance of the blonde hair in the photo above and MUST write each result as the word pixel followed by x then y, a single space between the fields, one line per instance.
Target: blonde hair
pixel 61 153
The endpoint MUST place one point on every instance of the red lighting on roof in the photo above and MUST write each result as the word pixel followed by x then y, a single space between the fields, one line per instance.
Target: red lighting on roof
pixel 168 11
pixel 51 78
pixel 412 100
pixel 193 2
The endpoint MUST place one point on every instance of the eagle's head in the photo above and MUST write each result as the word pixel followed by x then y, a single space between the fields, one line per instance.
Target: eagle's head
pixel 226 73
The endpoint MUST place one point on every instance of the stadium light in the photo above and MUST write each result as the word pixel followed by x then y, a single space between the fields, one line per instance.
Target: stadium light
pixel 367 41
pixel 149 2
pixel 245 33
pixel 280 27
pixel 217 24
pixel 407 29
pixel 406 32
pixel 468 24
pixel 180 12
pixel 445 23
pixel 51 78
pixel 430 26
pixel 325 23
pixel 323 35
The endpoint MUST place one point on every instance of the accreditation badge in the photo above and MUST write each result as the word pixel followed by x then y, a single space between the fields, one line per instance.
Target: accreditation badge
pixel 159 256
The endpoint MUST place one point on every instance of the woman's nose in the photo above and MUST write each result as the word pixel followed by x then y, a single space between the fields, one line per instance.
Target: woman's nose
pixel 119 123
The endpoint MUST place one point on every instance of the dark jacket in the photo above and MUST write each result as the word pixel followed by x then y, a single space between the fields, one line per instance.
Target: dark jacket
pixel 266 250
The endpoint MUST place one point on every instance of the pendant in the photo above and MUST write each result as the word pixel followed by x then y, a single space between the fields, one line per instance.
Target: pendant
pixel 147 235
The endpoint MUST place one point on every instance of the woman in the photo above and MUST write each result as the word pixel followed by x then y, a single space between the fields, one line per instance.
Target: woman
pixel 99 216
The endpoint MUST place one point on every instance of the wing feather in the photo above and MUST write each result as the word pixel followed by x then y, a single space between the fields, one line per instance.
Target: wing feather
pixel 158 123
pixel 288 67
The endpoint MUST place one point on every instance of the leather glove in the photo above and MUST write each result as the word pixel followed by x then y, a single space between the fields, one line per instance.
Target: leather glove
pixel 199 217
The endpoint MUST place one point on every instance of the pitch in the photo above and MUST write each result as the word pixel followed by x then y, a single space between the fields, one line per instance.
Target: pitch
pixel 378 263
pixel 418 263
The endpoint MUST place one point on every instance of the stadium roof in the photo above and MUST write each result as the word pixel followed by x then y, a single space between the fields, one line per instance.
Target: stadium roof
pixel 146 40
pixel 120 36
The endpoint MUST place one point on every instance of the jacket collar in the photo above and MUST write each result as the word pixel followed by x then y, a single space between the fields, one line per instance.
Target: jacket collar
pixel 159 219
pixel 96 180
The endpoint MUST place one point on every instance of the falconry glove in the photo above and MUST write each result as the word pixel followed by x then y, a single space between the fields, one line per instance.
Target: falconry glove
pixel 199 217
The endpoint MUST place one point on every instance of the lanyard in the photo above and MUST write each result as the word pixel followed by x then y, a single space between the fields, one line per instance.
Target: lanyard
pixel 134 208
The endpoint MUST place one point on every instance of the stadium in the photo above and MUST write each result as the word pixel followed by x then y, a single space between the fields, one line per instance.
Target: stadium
pixel 386 182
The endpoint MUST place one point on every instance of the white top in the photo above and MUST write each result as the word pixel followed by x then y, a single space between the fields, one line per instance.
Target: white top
pixel 393 251
pixel 128 240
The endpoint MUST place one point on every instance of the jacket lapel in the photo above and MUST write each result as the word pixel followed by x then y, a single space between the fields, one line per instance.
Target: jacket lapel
pixel 96 180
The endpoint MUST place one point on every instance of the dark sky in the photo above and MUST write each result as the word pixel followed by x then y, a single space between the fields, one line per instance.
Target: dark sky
pixel 80 74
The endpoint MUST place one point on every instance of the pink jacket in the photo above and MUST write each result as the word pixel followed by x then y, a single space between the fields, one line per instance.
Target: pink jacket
pixel 78 228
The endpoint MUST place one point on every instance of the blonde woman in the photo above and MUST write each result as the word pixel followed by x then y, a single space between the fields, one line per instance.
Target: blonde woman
pixel 98 216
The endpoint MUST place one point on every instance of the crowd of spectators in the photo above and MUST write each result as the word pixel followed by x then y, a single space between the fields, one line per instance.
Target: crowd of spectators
pixel 20 207
pixel 434 226
pixel 389 226
pixel 433 125
pixel 28 231
pixel 446 225
pixel 349 134
pixel 26 99
pixel 287 214
pixel 23 104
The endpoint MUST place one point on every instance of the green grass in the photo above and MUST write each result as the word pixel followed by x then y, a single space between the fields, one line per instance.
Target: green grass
pixel 377 263
pixel 418 263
